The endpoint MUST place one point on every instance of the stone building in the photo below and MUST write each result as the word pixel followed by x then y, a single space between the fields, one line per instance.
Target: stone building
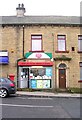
pixel 41 51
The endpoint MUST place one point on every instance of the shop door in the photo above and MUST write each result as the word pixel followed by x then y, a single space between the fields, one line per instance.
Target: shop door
pixel 62 78
pixel 24 77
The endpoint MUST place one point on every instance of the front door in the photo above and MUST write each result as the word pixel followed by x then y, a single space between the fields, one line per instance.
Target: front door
pixel 62 78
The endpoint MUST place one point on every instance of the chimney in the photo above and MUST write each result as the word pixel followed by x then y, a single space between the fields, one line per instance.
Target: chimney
pixel 20 10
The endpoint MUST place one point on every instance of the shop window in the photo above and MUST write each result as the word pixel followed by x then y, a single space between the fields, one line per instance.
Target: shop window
pixel 40 77
pixel 36 42
pixel 80 42
pixel 37 72
pixel 41 73
pixel 61 42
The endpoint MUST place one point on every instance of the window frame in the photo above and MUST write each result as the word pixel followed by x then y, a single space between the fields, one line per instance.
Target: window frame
pixel 35 35
pixel 60 51
pixel 80 66
pixel 64 42
pixel 79 39
pixel 80 69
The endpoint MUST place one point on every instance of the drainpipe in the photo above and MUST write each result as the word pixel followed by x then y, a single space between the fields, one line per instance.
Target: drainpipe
pixel 20 58
pixel 23 42
pixel 18 69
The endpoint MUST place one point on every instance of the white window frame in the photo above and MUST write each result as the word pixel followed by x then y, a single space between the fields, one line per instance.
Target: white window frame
pixel 61 42
pixel 36 42
pixel 80 43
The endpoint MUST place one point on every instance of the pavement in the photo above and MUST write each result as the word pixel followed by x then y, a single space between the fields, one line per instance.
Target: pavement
pixel 48 94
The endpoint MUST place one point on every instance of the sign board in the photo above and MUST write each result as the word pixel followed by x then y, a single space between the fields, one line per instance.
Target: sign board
pixel 38 55
pixel 21 63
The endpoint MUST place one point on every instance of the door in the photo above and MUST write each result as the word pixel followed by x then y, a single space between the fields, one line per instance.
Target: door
pixel 23 77
pixel 62 78
pixel 26 77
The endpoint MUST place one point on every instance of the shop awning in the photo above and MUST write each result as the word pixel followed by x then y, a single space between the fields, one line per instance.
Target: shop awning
pixel 21 63
pixel 4 60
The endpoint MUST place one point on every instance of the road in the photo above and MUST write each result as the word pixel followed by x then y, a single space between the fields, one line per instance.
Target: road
pixel 36 107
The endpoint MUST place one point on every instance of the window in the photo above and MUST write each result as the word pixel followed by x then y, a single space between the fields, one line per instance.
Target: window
pixel 80 71
pixel 73 48
pixel 80 42
pixel 61 42
pixel 62 66
pixel 2 80
pixel 41 73
pixel 40 77
pixel 36 42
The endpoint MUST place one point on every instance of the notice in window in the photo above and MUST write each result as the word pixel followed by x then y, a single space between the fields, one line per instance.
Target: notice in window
pixel 39 84
pixel 46 83
pixel 48 72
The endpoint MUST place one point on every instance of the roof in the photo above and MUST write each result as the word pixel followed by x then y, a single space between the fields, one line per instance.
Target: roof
pixel 61 20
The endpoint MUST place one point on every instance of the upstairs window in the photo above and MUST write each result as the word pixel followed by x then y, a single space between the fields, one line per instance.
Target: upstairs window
pixel 61 42
pixel 36 42
pixel 80 42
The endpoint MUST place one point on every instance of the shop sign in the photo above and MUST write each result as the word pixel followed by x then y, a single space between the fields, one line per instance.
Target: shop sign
pixel 3 53
pixel 38 55
pixel 4 59
pixel 21 63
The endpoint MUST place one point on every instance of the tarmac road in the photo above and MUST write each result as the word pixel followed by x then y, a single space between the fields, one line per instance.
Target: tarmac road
pixel 37 107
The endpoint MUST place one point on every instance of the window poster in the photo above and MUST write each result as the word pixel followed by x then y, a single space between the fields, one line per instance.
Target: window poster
pixel 33 83
pixel 46 83
pixel 49 71
pixel 39 84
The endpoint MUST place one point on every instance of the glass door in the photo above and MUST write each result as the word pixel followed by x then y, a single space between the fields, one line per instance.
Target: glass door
pixel 24 77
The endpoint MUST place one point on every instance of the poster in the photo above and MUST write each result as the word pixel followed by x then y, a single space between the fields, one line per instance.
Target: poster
pixel 46 83
pixel 49 72
pixel 33 83
pixel 39 84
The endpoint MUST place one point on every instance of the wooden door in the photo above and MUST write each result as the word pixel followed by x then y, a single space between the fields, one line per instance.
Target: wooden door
pixel 62 78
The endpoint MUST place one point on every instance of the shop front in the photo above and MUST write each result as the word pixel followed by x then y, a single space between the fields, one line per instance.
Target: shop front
pixel 36 73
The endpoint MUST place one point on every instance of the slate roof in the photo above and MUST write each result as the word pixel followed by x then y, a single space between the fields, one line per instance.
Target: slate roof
pixel 60 20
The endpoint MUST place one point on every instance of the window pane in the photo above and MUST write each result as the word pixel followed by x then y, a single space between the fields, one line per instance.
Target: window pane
pixel 36 42
pixel 80 45
pixel 80 64
pixel 61 37
pixel 62 65
pixel 80 37
pixel 61 45
pixel 62 72
pixel 80 73
pixel 36 37
pixel 36 45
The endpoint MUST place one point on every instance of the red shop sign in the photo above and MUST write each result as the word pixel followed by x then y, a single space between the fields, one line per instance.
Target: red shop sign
pixel 35 63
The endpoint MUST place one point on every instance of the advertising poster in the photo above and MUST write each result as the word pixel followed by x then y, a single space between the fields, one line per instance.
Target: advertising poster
pixel 49 72
pixel 33 83
pixel 46 83
pixel 39 84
